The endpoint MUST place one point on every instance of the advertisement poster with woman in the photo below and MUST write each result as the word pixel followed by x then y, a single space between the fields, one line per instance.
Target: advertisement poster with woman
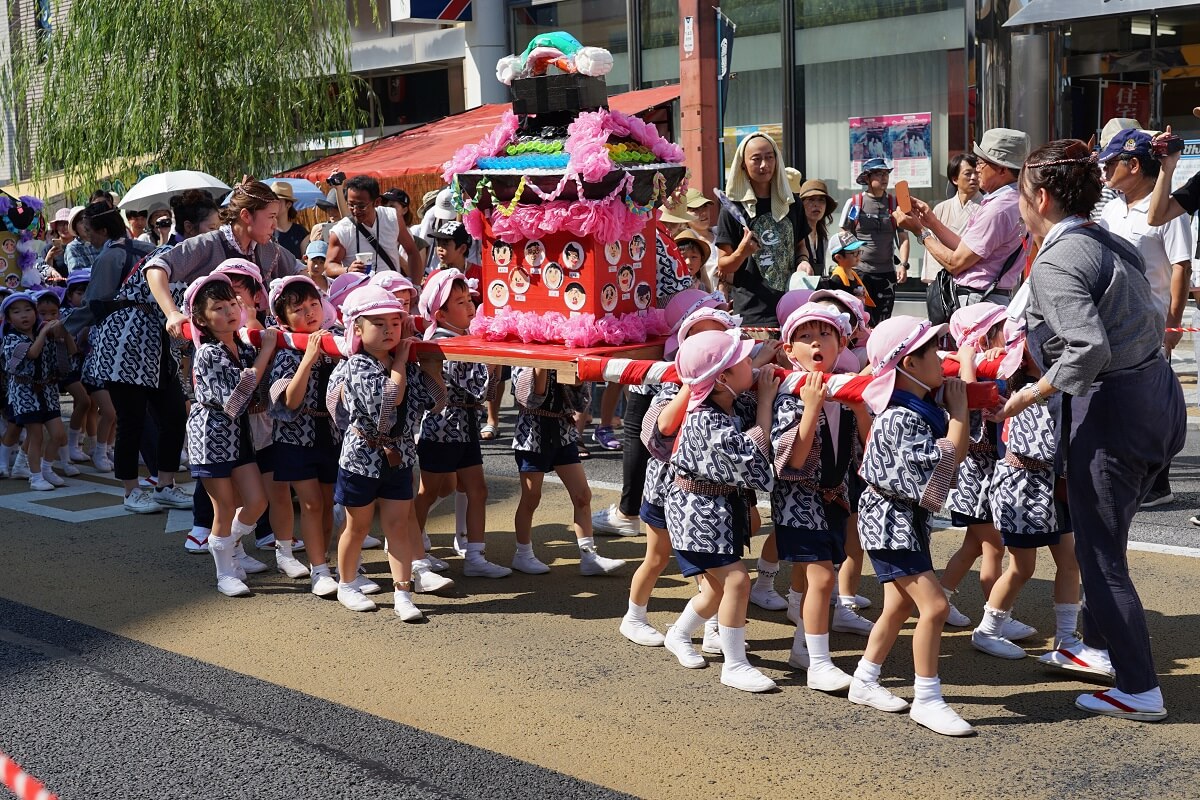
pixel 904 140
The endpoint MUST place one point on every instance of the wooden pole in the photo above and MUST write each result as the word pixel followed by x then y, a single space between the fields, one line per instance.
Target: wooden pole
pixel 698 93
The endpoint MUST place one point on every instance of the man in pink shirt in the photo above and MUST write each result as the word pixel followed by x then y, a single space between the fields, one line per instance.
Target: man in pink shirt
pixel 984 254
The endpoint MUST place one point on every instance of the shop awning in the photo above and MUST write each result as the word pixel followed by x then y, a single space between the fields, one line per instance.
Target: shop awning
pixel 413 159
pixel 1048 12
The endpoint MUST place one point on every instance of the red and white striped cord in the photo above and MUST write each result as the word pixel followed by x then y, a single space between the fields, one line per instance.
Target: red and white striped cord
pixel 1183 330
pixel 21 783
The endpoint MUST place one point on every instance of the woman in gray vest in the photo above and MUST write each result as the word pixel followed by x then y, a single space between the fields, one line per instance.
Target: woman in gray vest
pixel 1097 337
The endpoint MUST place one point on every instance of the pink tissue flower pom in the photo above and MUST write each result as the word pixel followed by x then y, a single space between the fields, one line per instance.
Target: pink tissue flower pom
pixel 607 220
pixel 492 144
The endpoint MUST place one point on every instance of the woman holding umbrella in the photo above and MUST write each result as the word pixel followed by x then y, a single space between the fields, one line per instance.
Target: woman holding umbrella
pixel 1096 338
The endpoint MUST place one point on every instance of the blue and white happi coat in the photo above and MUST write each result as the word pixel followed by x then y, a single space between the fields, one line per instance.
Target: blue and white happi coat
pixel 32 382
pixel 556 406
pixel 217 425
pixel 1022 497
pixel 310 424
pixel 800 496
pixel 969 496
pixel 658 467
pixel 467 387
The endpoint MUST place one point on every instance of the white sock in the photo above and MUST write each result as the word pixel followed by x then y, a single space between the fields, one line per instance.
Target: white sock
pixel 587 543
pixel 460 512
pixel 818 649
pixel 689 621
pixel 34 468
pixel 846 600
pixel 475 551
pixel 525 549
pixel 46 468
pixel 867 671
pixel 73 437
pixel 733 646
pixel 711 624
pixel 993 620
pixel 283 548
pixel 1066 621
pixel 636 612
pixel 5 455
pixel 799 642
pixel 64 455
pixel 239 529
pixel 767 570
pixel 796 599
pixel 926 690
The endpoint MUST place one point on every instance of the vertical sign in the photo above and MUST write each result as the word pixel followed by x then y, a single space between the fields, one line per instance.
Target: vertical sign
pixel 689 36
pixel 725 31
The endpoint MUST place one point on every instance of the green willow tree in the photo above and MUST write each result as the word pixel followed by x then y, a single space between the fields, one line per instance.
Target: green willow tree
pixel 224 86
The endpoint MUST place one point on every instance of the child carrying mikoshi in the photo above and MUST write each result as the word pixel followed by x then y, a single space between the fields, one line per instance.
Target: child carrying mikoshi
pixel 815 441
pixel 717 468
pixel 449 451
pixel 909 465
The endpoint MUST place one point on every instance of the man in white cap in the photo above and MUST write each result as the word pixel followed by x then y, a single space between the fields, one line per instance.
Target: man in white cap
pixel 985 259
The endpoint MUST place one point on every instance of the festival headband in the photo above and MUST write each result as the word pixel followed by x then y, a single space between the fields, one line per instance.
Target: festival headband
pixel 365 301
pixel 189 298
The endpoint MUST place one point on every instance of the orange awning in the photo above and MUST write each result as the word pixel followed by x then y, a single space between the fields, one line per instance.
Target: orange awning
pixel 412 159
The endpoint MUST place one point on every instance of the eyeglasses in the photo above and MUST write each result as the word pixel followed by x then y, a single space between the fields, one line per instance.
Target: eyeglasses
pixel 357 206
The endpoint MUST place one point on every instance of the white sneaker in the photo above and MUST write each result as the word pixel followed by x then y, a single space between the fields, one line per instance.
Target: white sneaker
pixel 232 587
pixel 405 609
pixel 366 585
pixel 139 501
pixel 763 595
pixel 353 599
pixel 101 461
pixel 996 646
pixel 939 718
pixel 371 542
pixel 197 540
pixel 828 678
pixel 795 612
pixel 265 542
pixel 323 583
pixel 1014 630
pixel 592 563
pixel 67 468
pixel 641 632
pixel 957 619
pixel 173 497
pixel 529 564
pixel 248 563
pixel 847 620
pixel 683 649
pixel 798 657
pixel 39 483
pixel 52 478
pixel 436 564
pixel 611 522
pixel 20 468
pixel 75 453
pixel 482 568
pixel 1079 658
pixel 711 643
pixel 746 678
pixel 146 483
pixel 427 582
pixel 290 566
pixel 873 695
pixel 460 544
pixel 1143 707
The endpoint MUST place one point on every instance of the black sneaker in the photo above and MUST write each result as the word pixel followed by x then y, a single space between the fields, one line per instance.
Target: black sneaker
pixel 1156 499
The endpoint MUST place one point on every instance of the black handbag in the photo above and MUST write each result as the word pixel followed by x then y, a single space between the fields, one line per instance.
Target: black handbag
pixel 941 296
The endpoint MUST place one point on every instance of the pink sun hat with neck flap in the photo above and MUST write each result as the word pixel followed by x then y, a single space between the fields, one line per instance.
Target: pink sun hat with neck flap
pixel 392 281
pixel 366 301
pixel 250 271
pixel 790 302
pixel 816 312
pixel 969 325
pixel 189 299
pixel 435 293
pixel 343 285
pixel 702 314
pixel 892 340
pixel 681 305
pixel 861 319
pixel 1014 347
pixel 703 357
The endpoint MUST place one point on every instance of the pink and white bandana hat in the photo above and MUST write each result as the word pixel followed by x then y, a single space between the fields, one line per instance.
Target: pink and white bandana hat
pixel 366 301
pixel 969 325
pixel 703 357
pixel 329 313
pixel 1014 347
pixel 189 297
pixel 815 312
pixel 862 319
pixel 702 314
pixel 250 271
pixel 393 282
pixel 891 341
pixel 434 295
pixel 343 285
pixel 681 305
pixel 790 302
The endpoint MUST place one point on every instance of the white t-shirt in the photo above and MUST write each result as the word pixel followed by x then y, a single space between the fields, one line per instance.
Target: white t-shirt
pixel 1160 246
pixel 386 231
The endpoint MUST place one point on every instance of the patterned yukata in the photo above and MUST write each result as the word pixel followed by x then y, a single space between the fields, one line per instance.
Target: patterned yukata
pixel 1022 497
pixel 908 474
pixel 32 383
pixel 377 413
pixel 545 422
pixel 310 424
pixel 717 466
pixel 74 363
pixel 968 500
pixel 658 469
pixel 814 499
pixel 218 425
pixel 450 438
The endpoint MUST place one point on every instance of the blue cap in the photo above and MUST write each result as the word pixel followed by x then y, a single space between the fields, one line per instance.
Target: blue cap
pixel 1129 142
pixel 317 249
pixel 869 166
pixel 845 242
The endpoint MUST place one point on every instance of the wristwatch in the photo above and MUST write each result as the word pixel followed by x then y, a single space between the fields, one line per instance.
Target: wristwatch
pixel 923 235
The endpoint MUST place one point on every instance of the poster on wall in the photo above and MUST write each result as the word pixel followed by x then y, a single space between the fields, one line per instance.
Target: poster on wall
pixel 10 271
pixel 904 140
pixel 1189 164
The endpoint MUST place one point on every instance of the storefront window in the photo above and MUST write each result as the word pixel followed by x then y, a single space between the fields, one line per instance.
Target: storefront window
pixel 819 13
pixel 660 42
pixel 592 23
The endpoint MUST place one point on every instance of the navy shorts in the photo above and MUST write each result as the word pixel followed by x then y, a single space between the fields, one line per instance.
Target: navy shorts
pixel 35 417
pixel 92 388
pixel 1025 541
pixel 265 459
pixel 221 469
pixel 963 520
pixel 692 563
pixel 799 545
pixel 529 461
pixel 443 457
pixel 296 463
pixel 354 490
pixel 892 564
pixel 653 515
pixel 72 377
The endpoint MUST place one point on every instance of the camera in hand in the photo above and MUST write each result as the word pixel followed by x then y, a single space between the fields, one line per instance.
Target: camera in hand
pixel 1166 145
